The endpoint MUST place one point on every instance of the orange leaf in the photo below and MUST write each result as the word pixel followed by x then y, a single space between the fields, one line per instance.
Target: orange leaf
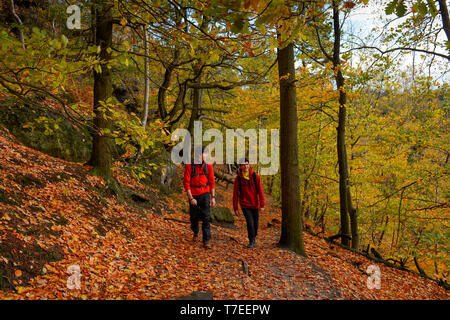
pixel 349 4
pixel 18 273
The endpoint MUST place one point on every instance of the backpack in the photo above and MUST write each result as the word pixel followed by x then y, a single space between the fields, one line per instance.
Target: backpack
pixel 254 182
pixel 194 173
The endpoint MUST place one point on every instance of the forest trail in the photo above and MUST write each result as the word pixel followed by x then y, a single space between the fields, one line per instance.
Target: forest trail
pixel 54 215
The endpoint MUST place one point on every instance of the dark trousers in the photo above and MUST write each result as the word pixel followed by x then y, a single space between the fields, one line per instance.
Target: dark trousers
pixel 252 219
pixel 201 212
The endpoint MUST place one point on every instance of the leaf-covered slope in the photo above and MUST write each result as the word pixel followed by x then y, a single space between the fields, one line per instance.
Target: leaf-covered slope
pixel 54 215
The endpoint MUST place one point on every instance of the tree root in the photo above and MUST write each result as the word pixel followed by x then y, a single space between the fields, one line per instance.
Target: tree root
pixel 111 184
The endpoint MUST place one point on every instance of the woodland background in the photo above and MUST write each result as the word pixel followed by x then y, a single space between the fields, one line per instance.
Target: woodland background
pixel 363 115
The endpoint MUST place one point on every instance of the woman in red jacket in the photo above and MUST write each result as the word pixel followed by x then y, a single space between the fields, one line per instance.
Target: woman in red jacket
pixel 249 193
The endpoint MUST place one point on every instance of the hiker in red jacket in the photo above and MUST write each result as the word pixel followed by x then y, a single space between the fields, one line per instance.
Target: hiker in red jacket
pixel 248 190
pixel 199 185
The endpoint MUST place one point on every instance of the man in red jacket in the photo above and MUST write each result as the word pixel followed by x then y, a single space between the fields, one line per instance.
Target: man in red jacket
pixel 248 190
pixel 199 185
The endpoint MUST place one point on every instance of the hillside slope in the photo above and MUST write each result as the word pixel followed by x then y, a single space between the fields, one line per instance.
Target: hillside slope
pixel 54 215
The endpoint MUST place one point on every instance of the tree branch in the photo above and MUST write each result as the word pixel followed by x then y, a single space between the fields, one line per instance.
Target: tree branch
pixel 402 49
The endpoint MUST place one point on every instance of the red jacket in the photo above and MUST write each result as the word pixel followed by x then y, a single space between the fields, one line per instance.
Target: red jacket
pixel 190 181
pixel 251 196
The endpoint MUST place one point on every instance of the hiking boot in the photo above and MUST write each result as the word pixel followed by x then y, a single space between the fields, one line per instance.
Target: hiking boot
pixel 207 245
pixel 195 238
pixel 252 244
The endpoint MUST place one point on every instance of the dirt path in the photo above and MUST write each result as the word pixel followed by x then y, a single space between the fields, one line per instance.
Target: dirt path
pixel 299 278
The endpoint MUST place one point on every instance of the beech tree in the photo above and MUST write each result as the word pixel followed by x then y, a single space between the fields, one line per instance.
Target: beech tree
pixel 102 143
pixel 292 222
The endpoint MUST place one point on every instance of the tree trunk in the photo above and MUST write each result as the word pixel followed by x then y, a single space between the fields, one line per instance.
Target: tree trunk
pixel 102 144
pixel 146 90
pixel 353 220
pixel 197 93
pixel 292 221
pixel 196 101
pixel 146 80
pixel 419 268
pixel 344 191
pixel 445 17
pixel 270 184
pixel 165 85
pixel 19 22
pixel 305 205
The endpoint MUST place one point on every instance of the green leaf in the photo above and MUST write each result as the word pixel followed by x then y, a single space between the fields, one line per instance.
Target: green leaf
pixel 391 7
pixel 238 24
pixel 432 8
pixel 422 8
pixel 64 40
pixel 98 68
pixel 125 45
pixel 262 28
pixel 401 9
pixel 263 19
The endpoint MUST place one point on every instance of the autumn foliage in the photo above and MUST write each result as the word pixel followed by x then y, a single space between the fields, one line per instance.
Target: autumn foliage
pixel 136 71
pixel 54 215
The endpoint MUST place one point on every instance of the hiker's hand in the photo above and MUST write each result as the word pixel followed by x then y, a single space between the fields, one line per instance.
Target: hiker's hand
pixel 262 209
pixel 236 212
pixel 193 202
pixel 213 202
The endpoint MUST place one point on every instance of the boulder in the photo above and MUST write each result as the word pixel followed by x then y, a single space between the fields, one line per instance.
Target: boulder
pixel 222 214
pixel 67 141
